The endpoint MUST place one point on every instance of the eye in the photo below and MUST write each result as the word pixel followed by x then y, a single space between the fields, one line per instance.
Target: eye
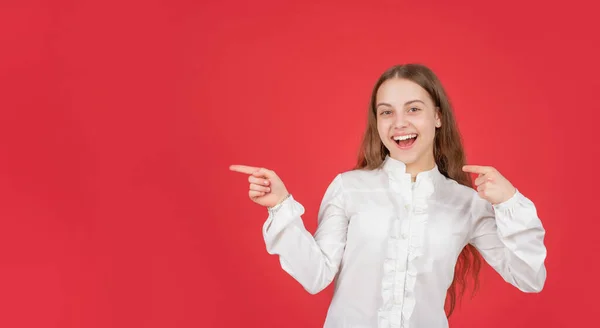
pixel 414 109
pixel 386 112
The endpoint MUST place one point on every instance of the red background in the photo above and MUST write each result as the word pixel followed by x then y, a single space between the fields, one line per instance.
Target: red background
pixel 119 120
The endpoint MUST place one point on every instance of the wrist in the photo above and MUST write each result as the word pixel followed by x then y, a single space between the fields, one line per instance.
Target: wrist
pixel 280 202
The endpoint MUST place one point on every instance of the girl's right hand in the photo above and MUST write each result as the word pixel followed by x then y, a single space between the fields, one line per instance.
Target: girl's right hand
pixel 266 188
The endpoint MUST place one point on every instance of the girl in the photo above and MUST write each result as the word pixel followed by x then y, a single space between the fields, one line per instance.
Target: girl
pixel 401 231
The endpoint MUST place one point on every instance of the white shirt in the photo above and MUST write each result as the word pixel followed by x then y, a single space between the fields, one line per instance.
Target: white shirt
pixel 392 245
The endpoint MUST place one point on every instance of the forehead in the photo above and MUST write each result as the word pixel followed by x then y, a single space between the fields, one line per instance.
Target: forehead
pixel 397 91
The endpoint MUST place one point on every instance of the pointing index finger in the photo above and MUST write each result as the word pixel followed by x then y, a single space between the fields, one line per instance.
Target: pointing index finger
pixel 243 169
pixel 479 169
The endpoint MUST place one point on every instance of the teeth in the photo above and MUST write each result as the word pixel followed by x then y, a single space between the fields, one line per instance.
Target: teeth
pixel 406 137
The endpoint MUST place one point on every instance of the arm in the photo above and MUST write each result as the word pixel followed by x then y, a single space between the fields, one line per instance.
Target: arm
pixel 312 260
pixel 510 237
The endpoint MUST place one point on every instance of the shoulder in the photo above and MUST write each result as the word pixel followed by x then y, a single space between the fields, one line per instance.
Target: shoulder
pixel 350 183
pixel 362 179
pixel 461 196
pixel 357 181
pixel 454 190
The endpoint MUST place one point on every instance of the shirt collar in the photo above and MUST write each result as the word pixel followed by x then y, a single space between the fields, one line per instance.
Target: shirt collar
pixel 397 169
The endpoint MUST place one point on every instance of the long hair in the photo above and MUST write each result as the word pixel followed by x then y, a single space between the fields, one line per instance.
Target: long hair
pixel 448 153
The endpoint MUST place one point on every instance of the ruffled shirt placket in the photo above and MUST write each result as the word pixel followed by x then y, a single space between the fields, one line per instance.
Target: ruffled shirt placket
pixel 405 244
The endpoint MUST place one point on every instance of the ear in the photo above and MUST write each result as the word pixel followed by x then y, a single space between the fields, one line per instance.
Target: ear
pixel 438 117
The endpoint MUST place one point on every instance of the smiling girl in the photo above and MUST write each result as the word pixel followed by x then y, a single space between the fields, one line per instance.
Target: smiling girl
pixel 401 232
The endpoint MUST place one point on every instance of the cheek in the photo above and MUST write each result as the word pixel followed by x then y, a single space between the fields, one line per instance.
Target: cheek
pixel 425 125
pixel 383 127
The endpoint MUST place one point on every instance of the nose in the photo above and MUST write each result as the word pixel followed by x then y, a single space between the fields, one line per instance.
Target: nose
pixel 400 121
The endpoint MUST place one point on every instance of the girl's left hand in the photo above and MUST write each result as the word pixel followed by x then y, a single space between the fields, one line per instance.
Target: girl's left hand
pixel 491 185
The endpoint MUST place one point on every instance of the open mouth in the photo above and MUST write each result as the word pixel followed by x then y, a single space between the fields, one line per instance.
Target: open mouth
pixel 405 141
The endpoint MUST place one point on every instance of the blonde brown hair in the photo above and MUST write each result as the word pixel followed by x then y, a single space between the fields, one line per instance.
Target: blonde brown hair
pixel 448 153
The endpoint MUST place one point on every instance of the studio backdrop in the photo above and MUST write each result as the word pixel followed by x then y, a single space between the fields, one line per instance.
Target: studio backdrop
pixel 119 120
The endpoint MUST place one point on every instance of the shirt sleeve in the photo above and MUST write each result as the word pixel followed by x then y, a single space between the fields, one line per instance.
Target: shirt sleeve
pixel 510 238
pixel 312 260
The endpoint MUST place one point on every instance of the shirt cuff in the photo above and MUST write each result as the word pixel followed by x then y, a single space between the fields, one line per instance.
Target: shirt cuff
pixel 509 203
pixel 281 216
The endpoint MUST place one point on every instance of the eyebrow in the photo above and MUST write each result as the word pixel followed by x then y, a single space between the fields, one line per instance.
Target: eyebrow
pixel 406 103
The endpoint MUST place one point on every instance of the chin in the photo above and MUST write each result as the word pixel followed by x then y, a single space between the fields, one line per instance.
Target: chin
pixel 407 159
pixel 404 156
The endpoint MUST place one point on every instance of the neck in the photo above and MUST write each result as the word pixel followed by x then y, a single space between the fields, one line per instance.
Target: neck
pixel 415 168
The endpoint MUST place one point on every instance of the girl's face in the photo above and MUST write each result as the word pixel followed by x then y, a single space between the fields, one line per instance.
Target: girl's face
pixel 406 122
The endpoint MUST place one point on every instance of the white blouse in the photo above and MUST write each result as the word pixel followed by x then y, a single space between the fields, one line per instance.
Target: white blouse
pixel 392 245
